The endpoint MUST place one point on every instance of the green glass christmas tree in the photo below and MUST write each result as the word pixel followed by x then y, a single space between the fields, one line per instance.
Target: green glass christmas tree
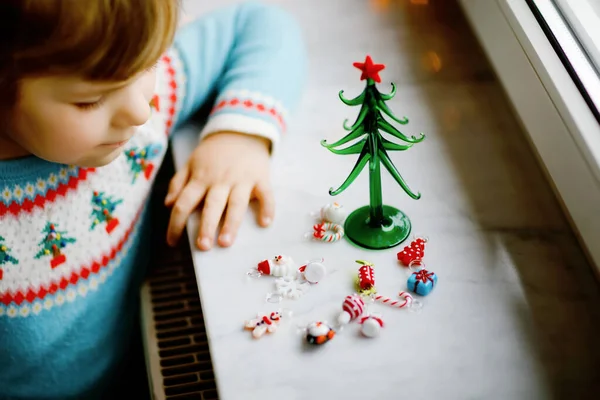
pixel 5 256
pixel 376 226
pixel 103 207
pixel 52 244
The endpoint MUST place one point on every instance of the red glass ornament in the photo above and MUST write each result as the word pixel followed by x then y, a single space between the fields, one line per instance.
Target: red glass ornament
pixel 415 251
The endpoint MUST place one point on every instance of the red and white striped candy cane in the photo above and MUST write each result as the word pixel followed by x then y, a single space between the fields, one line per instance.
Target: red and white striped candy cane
pixel 328 232
pixel 406 301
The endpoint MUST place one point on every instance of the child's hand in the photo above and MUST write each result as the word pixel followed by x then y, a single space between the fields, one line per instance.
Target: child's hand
pixel 226 170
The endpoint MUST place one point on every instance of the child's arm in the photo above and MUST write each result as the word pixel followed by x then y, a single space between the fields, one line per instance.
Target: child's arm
pixel 252 58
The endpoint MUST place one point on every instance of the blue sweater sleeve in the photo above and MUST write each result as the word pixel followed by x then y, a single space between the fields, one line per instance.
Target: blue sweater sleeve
pixel 252 58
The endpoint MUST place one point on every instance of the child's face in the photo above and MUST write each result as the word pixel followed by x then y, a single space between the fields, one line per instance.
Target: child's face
pixel 71 121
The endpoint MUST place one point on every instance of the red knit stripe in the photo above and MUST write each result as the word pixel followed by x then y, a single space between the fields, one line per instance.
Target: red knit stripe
pixel 61 190
pixel 255 106
pixel 172 98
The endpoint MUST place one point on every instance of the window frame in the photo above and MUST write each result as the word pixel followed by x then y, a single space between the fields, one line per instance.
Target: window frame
pixel 563 128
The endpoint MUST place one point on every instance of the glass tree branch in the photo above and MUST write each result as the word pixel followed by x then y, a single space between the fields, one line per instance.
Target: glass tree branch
pixel 390 96
pixel 363 159
pixel 389 128
pixel 356 148
pixel 357 101
pixel 359 120
pixel 383 107
pixel 394 146
pixel 358 132
pixel 385 159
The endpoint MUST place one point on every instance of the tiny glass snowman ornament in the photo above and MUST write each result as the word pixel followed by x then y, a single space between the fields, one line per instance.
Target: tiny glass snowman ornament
pixel 334 213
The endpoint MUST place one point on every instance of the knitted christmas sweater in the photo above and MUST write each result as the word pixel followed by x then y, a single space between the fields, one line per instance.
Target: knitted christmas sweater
pixel 72 239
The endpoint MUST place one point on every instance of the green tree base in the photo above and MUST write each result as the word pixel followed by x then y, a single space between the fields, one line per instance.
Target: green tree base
pixel 393 230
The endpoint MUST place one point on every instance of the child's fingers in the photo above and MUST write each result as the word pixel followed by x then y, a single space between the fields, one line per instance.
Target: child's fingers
pixel 236 209
pixel 176 185
pixel 188 200
pixel 214 204
pixel 264 193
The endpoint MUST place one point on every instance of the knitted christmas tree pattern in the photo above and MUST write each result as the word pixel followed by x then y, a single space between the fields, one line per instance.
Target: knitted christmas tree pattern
pixel 52 244
pixel 103 207
pixel 5 256
pixel 140 160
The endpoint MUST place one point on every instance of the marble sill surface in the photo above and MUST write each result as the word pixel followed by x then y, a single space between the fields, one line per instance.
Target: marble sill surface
pixel 515 315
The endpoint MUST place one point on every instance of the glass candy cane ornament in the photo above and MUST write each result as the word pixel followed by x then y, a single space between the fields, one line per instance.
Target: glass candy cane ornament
pixel 327 232
pixel 365 285
pixel 406 301
pixel 330 226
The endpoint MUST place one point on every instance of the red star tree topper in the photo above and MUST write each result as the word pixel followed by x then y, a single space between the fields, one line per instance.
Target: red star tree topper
pixel 370 70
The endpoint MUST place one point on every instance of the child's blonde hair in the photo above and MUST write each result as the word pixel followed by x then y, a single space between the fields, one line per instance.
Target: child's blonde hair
pixel 99 40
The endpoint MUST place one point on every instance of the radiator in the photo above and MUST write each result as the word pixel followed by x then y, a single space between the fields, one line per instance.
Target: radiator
pixel 178 361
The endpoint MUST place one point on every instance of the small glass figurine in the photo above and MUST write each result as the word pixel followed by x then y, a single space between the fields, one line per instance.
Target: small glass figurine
pixel 421 281
pixel 318 333
pixel 376 226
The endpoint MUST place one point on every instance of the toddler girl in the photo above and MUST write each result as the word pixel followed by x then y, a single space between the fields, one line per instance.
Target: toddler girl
pixel 91 91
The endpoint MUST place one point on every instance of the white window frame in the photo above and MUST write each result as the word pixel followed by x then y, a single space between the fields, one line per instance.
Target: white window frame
pixel 562 127
pixel 584 19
